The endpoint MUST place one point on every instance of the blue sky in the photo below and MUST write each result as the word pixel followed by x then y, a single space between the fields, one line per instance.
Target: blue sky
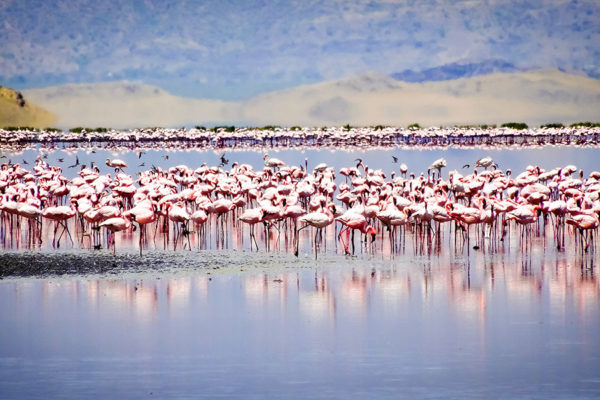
pixel 236 49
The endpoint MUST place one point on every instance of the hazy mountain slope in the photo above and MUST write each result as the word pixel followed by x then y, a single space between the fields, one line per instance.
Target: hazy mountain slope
pixel 16 111
pixel 235 49
pixel 534 97
pixel 125 105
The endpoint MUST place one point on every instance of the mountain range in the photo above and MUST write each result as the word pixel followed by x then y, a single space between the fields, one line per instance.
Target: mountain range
pixel 535 97
pixel 234 50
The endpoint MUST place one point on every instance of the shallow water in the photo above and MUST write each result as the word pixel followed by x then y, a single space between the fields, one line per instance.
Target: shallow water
pixel 447 323
pixel 418 160
pixel 256 325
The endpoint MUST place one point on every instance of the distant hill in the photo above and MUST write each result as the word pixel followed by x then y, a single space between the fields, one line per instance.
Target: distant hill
pixel 534 97
pixel 16 111
pixel 455 71
pixel 124 105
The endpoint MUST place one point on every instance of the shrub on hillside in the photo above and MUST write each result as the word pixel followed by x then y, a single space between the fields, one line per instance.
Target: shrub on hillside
pixel 515 125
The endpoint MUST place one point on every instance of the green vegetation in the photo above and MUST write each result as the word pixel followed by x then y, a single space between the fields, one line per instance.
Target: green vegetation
pixel 586 124
pixel 414 126
pixel 269 128
pixel 347 127
pixel 296 128
pixel 52 129
pixel 225 128
pixel 379 127
pixel 19 128
pixel 200 127
pixel 80 129
pixel 515 125
pixel 483 126
pixel 553 125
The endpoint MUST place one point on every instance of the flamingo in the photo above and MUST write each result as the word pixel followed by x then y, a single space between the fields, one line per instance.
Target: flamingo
pixel 484 162
pixel 438 165
pixel 354 221
pixel 272 162
pixel 116 163
pixel 116 224
pixel 584 222
pixel 318 219
pixel 142 215
pixel 59 214
pixel 252 217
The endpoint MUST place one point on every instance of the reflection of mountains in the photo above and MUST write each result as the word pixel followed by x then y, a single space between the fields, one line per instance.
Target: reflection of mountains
pixel 535 97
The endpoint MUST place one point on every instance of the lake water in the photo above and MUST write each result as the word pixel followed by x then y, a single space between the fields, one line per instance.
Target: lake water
pixel 456 323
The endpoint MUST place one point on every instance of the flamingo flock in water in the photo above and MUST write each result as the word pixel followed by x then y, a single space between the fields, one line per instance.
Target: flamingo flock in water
pixel 283 200
pixel 337 137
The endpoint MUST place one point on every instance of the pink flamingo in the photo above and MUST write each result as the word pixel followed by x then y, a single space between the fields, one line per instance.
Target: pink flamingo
pixel 354 221
pixel 116 224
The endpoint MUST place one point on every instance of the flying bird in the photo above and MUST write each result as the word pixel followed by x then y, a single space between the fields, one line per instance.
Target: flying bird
pixel 224 161
pixel 76 162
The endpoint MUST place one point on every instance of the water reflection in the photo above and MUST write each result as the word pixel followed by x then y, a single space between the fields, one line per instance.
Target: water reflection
pixel 359 290
pixel 322 324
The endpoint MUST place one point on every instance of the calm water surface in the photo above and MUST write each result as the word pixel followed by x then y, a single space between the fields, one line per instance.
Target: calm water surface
pixel 417 160
pixel 505 326
pixel 236 324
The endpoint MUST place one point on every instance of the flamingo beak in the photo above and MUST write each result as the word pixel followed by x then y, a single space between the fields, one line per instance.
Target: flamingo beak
pixel 373 236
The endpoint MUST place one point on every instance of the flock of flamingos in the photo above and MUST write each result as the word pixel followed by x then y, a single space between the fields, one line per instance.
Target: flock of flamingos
pixel 338 137
pixel 484 205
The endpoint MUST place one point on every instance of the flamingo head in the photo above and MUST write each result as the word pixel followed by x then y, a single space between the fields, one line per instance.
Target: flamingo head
pixel 265 156
pixel 370 230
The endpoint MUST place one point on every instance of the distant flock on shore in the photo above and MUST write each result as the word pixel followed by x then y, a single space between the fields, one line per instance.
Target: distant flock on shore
pixel 230 137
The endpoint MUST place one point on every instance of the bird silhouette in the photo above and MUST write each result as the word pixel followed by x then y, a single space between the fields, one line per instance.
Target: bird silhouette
pixel 466 166
pixel 395 159
pixel 61 159
pixel 224 161
pixel 140 154
pixel 142 165
pixel 76 162
pixel 25 161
